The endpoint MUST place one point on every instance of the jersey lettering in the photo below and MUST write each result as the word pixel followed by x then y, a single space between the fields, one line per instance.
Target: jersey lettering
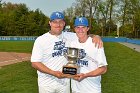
pixel 82 53
pixel 81 61
pixel 59 49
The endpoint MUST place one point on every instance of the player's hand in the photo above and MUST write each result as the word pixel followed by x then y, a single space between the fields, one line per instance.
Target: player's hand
pixel 76 77
pixel 67 76
pixel 79 77
pixel 98 41
pixel 58 74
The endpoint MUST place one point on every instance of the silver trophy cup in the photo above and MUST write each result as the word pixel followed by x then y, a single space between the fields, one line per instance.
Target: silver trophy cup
pixel 71 67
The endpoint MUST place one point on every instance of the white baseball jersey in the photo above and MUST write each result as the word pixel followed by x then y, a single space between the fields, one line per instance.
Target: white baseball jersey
pixel 49 50
pixel 92 58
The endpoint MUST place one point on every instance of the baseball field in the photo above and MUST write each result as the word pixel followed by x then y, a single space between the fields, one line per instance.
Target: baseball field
pixel 123 74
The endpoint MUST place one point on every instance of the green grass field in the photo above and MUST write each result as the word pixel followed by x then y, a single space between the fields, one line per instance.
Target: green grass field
pixel 16 46
pixel 123 74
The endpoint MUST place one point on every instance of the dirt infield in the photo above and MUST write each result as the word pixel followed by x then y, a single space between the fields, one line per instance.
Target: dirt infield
pixel 7 58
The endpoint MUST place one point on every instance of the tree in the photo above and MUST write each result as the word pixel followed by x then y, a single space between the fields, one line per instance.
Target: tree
pixel 16 19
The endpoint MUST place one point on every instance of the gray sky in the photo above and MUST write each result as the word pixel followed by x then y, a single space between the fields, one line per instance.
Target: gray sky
pixel 46 6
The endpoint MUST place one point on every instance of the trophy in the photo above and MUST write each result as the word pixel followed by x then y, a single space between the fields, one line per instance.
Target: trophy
pixel 71 67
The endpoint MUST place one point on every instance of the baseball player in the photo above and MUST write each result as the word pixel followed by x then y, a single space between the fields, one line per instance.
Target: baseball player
pixel 92 62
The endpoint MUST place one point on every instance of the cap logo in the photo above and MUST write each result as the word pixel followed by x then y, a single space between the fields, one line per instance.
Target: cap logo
pixel 59 15
pixel 81 20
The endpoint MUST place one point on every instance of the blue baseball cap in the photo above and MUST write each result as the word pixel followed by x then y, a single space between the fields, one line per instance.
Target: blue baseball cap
pixel 56 15
pixel 81 21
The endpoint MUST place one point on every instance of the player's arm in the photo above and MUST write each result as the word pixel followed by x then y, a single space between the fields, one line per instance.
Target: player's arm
pixel 36 57
pixel 94 73
pixel 97 72
pixel 97 40
pixel 44 69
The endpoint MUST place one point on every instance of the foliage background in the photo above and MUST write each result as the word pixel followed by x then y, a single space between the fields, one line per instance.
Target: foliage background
pixel 106 18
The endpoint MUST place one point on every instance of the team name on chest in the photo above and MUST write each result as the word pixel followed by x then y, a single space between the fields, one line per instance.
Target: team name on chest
pixel 59 49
